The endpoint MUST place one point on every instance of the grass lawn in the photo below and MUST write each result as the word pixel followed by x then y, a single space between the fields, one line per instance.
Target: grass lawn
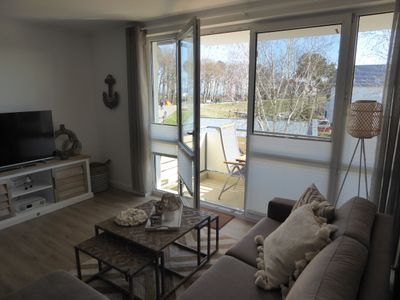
pixel 238 110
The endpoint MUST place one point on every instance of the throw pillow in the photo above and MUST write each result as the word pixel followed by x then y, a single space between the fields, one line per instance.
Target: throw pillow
pixel 311 194
pixel 286 251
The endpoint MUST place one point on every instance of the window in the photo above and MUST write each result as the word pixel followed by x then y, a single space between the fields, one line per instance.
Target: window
pixel 295 81
pixel 371 57
pixel 370 68
pixel 224 79
pixel 166 173
pixel 164 82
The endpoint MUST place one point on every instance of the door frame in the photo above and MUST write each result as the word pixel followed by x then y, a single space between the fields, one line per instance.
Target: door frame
pixel 194 153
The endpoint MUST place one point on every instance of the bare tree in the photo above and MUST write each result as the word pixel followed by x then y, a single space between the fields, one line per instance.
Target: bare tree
pixel 293 80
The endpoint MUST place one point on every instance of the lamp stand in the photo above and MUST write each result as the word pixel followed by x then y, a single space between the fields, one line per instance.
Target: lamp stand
pixel 363 161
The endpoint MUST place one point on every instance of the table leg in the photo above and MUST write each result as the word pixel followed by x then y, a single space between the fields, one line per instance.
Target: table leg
pixel 198 246
pixel 78 264
pixel 217 234
pixel 162 273
pixel 131 294
pixel 208 238
pixel 157 275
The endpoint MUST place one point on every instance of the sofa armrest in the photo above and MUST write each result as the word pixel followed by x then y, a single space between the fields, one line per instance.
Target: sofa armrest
pixel 279 209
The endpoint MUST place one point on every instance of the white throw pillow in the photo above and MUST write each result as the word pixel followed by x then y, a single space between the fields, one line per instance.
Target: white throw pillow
pixel 287 250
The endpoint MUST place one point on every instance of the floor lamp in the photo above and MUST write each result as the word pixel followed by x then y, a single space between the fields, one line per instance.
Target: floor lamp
pixel 364 121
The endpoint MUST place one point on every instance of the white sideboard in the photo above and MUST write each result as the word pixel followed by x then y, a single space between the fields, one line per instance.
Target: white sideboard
pixel 32 191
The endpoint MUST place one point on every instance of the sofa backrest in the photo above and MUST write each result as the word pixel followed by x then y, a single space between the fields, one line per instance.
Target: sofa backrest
pixel 334 274
pixel 355 219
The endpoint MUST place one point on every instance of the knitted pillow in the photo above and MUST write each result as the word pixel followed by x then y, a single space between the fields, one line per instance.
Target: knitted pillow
pixel 284 254
pixel 312 194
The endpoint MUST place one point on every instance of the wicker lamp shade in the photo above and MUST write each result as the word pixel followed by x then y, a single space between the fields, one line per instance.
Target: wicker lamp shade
pixel 364 119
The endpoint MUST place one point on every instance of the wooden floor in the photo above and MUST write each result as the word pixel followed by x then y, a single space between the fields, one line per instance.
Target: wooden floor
pixel 32 249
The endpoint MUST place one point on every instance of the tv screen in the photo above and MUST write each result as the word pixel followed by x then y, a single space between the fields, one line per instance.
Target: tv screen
pixel 26 137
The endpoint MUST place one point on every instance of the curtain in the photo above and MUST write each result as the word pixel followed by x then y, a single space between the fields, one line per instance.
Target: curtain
pixel 138 104
pixel 386 181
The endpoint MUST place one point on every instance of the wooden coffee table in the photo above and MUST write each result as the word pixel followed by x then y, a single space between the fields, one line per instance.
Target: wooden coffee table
pixel 157 242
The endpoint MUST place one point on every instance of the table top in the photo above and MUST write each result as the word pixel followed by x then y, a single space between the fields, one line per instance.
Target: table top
pixel 155 240
pixel 117 253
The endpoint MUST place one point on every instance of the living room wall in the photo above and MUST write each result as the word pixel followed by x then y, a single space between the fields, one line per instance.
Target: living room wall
pixel 48 68
pixel 109 55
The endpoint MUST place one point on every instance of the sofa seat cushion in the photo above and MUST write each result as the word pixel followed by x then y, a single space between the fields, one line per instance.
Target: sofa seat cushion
pixel 355 219
pixel 246 248
pixel 230 279
pixel 56 286
pixel 335 273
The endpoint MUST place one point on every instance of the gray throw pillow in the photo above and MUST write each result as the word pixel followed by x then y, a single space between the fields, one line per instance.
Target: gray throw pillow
pixel 311 194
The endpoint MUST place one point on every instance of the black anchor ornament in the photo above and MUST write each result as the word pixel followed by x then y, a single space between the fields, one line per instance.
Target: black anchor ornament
pixel 111 99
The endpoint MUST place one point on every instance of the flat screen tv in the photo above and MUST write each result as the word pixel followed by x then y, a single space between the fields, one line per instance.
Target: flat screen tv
pixel 26 137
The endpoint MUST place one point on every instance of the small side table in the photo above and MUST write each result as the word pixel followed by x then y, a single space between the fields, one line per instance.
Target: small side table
pixel 114 253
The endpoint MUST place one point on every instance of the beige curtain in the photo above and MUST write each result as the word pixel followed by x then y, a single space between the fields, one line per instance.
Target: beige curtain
pixel 139 105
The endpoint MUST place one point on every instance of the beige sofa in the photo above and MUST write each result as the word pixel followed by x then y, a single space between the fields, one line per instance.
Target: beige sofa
pixel 356 265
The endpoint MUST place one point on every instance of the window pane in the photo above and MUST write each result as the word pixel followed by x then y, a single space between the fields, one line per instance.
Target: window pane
pixel 368 83
pixel 166 173
pixel 224 79
pixel 371 58
pixel 164 82
pixel 295 81
pixel 187 89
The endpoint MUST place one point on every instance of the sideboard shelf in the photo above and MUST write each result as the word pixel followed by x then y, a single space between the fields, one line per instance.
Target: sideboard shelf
pixel 35 190
pixel 19 192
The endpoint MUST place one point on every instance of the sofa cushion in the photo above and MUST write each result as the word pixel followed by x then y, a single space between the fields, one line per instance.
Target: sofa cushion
pixel 230 279
pixel 375 283
pixel 57 286
pixel 312 194
pixel 246 249
pixel 285 252
pixel 355 219
pixel 334 274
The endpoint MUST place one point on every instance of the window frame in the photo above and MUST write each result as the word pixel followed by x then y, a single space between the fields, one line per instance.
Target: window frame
pixel 301 23
pixel 349 32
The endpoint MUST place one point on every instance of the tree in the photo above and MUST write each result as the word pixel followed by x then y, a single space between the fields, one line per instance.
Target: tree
pixel 294 79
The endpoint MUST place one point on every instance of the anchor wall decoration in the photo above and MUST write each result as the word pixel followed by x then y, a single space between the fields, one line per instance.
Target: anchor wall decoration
pixel 110 99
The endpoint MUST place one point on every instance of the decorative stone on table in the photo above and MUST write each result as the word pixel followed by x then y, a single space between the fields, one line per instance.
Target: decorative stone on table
pixel 131 217
pixel 171 203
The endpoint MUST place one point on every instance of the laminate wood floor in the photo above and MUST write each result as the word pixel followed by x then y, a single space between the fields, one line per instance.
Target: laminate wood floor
pixel 34 248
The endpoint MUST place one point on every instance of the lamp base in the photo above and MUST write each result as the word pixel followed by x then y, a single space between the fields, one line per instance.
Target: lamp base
pixel 362 167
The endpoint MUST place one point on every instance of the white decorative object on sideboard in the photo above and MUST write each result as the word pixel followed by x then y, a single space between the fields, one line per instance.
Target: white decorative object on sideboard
pixel 30 192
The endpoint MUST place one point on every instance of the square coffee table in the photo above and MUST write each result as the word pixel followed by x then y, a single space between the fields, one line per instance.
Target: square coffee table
pixel 113 253
pixel 156 242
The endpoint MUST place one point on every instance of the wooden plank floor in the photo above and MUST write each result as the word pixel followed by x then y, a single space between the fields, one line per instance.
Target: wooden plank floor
pixel 34 248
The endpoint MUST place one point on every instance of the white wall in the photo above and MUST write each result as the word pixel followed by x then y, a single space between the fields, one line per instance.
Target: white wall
pixel 43 68
pixel 109 56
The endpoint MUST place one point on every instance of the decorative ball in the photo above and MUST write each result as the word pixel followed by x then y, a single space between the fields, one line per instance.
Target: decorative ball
pixel 131 217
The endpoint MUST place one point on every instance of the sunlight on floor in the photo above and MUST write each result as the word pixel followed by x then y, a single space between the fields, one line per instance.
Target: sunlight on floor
pixel 211 184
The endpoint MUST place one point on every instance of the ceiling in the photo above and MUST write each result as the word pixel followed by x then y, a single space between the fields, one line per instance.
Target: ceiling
pixel 137 10
pixel 95 14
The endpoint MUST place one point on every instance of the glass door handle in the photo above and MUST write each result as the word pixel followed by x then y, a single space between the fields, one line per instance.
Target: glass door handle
pixel 190 133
